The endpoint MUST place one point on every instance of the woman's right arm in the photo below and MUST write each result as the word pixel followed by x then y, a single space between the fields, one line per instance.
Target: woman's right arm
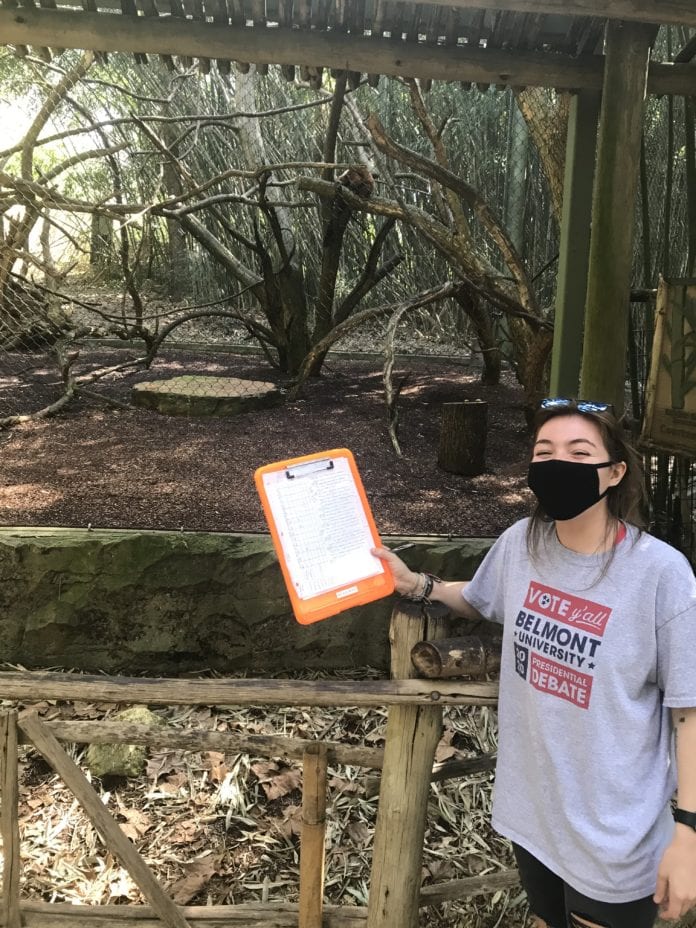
pixel 408 583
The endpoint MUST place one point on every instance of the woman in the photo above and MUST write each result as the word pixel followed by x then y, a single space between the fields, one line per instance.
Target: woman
pixel 599 645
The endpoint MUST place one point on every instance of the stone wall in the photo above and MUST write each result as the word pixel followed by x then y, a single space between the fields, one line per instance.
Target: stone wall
pixel 166 602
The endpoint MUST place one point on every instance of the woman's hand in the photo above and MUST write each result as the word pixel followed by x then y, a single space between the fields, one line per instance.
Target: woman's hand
pixel 676 876
pixel 405 580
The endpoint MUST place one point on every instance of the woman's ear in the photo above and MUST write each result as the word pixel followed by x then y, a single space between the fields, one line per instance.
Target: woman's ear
pixel 616 473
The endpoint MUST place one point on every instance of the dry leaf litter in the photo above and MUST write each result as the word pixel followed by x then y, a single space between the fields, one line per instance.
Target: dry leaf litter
pixel 224 829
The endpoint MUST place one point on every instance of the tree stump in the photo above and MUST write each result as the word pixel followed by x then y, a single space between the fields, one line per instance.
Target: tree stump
pixel 463 428
pixel 194 395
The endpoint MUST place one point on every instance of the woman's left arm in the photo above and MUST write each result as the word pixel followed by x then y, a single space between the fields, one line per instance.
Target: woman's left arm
pixel 676 876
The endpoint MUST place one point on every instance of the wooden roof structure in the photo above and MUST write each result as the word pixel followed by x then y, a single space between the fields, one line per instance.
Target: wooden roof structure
pixel 555 43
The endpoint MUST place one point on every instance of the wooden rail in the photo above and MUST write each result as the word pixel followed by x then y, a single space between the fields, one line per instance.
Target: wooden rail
pixel 413 730
pixel 35 686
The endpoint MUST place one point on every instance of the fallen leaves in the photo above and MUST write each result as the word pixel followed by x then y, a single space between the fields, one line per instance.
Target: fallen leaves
pixel 223 829
pixel 137 823
pixel 197 875
pixel 277 779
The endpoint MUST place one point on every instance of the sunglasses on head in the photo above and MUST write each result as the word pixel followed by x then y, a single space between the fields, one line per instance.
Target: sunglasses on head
pixel 562 402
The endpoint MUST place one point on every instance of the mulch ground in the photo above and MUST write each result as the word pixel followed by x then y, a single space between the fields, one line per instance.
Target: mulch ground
pixel 134 468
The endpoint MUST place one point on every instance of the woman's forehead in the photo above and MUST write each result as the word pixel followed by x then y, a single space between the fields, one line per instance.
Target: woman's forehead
pixel 564 429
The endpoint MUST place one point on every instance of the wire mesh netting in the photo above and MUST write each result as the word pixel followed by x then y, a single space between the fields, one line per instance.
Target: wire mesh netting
pixel 149 210
pixel 162 209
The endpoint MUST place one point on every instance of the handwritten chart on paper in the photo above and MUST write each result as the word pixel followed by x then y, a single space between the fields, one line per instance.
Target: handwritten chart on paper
pixel 322 527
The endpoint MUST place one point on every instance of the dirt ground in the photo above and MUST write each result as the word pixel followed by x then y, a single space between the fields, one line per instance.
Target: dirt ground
pixel 103 466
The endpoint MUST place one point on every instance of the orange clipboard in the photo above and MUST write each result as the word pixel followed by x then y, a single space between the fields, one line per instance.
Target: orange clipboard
pixel 322 531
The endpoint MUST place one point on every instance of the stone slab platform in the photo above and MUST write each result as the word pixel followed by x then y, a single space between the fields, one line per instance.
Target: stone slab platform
pixel 194 395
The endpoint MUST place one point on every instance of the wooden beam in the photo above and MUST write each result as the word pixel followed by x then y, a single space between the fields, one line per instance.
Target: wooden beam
pixel 667 12
pixel 438 893
pixel 611 245
pixel 574 251
pixel 313 836
pixel 9 821
pixel 97 731
pixel 33 686
pixel 409 749
pixel 245 915
pixel 112 32
pixel 688 52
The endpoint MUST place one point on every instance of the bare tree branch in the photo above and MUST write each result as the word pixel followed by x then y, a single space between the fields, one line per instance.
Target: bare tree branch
pixel 475 201
pixel 441 292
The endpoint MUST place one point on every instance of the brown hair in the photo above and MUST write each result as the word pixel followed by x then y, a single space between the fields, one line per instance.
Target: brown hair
pixel 627 501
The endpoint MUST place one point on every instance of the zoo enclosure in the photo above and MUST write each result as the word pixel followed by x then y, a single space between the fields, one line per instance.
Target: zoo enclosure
pixel 413 730
pixel 44 321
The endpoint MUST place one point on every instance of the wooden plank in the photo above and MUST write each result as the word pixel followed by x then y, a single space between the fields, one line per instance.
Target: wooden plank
pixel 247 915
pixel 574 250
pixel 366 54
pixel 21 50
pixel 149 8
pixel 411 738
pixel 455 769
pixel 611 243
pixel 32 686
pixel 108 828
pixel 378 17
pixel 9 821
pixel 668 12
pixel 312 857
pixel 686 53
pixel 167 738
pixel 220 18
pixel 469 886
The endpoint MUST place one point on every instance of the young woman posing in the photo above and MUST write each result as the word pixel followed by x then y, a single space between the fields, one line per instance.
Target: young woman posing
pixel 598 670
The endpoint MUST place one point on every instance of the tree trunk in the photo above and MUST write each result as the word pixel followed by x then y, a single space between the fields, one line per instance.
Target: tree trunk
pixel 295 334
pixel 531 351
pixel 546 115
pixel 101 251
pixel 463 429
pixel 485 335
pixel 177 275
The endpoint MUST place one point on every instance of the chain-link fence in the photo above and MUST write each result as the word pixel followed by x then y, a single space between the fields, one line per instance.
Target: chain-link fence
pixel 159 226
pixel 153 210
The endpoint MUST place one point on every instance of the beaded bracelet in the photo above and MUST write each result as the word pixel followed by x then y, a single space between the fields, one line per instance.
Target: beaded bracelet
pixel 425 587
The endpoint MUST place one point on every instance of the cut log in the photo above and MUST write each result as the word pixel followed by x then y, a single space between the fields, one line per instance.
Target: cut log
pixel 463 429
pixel 456 657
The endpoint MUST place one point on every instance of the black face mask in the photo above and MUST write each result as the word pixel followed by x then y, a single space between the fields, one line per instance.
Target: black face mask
pixel 565 488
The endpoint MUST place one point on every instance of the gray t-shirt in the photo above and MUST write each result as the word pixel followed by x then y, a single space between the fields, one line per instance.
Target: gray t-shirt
pixel 591 662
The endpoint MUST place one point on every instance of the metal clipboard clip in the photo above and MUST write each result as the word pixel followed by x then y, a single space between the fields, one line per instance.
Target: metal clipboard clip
pixel 311 467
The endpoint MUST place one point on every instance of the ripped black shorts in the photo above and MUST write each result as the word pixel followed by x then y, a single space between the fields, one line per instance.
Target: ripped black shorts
pixel 551 899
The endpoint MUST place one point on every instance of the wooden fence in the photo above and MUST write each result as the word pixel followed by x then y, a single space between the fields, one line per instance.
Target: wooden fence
pixel 413 731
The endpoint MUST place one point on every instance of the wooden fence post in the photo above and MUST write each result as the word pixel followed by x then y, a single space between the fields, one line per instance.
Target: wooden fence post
pixel 412 735
pixel 314 782
pixel 9 820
